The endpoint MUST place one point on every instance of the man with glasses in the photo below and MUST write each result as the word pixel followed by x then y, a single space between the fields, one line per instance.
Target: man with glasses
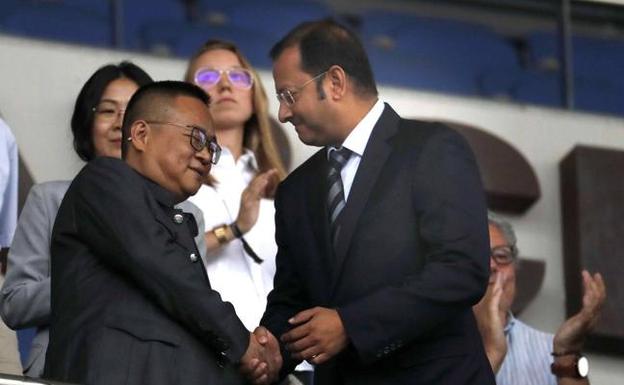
pixel 382 242
pixel 131 302
pixel 518 353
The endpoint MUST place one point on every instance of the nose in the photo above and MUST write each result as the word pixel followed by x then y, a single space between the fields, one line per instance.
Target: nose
pixel 224 81
pixel 119 119
pixel 284 113
pixel 204 156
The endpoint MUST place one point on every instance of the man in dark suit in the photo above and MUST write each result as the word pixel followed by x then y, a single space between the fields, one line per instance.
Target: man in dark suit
pixel 131 302
pixel 383 247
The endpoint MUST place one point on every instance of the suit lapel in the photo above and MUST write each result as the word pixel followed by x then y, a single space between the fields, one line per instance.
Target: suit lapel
pixel 375 155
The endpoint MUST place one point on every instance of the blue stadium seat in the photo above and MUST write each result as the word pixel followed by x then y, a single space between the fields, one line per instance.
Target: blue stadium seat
pixel 6 7
pixel 599 95
pixel 136 15
pixel 255 45
pixel 499 82
pixel 539 88
pixel 277 17
pixel 466 47
pixel 409 71
pixel 101 7
pixel 590 93
pixel 378 22
pixel 593 57
pixel 59 22
pixel 24 341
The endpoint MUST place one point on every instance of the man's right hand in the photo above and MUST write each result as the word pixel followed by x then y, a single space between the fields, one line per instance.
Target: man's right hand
pixel 491 322
pixel 262 361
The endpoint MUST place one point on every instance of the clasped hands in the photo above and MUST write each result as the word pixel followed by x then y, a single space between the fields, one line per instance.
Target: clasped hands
pixel 317 335
pixel 262 361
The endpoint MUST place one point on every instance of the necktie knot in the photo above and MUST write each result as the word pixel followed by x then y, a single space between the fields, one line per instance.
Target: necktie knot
pixel 338 158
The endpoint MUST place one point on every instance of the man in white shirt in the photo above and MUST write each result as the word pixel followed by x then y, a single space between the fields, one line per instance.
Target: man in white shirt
pixel 518 353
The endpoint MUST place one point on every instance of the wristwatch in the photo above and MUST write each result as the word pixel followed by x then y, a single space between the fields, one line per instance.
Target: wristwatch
pixel 221 233
pixel 577 369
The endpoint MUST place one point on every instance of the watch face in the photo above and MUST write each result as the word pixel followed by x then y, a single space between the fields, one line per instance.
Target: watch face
pixel 582 366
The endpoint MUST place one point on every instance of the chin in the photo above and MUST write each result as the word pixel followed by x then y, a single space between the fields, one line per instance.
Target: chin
pixel 192 189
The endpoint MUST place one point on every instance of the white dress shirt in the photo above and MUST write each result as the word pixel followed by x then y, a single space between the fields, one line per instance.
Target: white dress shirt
pixel 232 272
pixel 356 142
pixel 8 185
pixel 239 280
pixel 528 356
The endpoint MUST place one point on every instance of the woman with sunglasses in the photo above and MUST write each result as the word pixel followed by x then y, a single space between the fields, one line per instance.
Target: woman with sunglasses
pixel 237 201
pixel 96 127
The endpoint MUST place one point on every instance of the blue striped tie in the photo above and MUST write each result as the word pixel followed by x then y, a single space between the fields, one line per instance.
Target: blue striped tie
pixel 336 198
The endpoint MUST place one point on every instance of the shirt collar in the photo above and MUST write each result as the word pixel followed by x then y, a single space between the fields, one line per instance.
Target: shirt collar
pixel 358 137
pixel 511 321
pixel 247 158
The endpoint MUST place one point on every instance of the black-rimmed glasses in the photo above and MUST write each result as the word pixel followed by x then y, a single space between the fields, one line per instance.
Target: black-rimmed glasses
pixel 288 96
pixel 199 139
pixel 503 255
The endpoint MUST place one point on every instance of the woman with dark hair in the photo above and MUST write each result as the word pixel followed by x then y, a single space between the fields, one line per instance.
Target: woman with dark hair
pixel 96 126
pixel 237 201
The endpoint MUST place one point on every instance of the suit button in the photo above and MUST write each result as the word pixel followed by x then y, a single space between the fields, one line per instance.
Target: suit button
pixel 193 257
pixel 178 218
pixel 222 359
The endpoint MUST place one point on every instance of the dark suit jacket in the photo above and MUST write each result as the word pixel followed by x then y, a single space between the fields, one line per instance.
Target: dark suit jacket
pixel 131 301
pixel 411 259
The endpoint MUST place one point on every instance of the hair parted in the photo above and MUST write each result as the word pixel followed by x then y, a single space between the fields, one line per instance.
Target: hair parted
pixel 324 43
pixel 89 97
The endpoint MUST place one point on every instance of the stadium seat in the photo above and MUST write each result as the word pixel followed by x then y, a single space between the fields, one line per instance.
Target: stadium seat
pixel 136 15
pixel 275 18
pixel 57 21
pixel 255 45
pixel 408 71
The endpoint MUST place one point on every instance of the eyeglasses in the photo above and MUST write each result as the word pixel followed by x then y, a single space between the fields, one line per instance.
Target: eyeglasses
pixel 288 96
pixel 207 78
pixel 199 139
pixel 108 111
pixel 503 255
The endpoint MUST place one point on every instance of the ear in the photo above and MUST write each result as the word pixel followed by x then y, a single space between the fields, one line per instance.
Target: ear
pixel 140 133
pixel 337 82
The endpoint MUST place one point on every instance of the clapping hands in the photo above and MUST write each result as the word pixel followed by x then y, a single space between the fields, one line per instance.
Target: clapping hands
pixel 571 335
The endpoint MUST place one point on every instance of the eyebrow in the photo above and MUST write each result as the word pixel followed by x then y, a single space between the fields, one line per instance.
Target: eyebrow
pixel 110 101
pixel 222 69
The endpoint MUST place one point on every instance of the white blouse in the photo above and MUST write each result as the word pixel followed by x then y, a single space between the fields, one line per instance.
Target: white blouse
pixel 232 272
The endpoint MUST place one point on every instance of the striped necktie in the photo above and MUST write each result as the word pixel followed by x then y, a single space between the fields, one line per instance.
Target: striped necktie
pixel 336 198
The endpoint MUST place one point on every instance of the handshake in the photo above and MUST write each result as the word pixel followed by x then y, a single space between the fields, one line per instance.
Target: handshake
pixel 262 361
pixel 316 336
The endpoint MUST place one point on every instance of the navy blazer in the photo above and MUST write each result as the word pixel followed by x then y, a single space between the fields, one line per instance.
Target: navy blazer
pixel 411 259
pixel 131 301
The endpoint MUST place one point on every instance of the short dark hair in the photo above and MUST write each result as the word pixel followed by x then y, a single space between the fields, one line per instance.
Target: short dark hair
pixel 324 43
pixel 147 101
pixel 89 97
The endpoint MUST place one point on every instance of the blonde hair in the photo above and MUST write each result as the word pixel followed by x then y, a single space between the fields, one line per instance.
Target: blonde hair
pixel 258 136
